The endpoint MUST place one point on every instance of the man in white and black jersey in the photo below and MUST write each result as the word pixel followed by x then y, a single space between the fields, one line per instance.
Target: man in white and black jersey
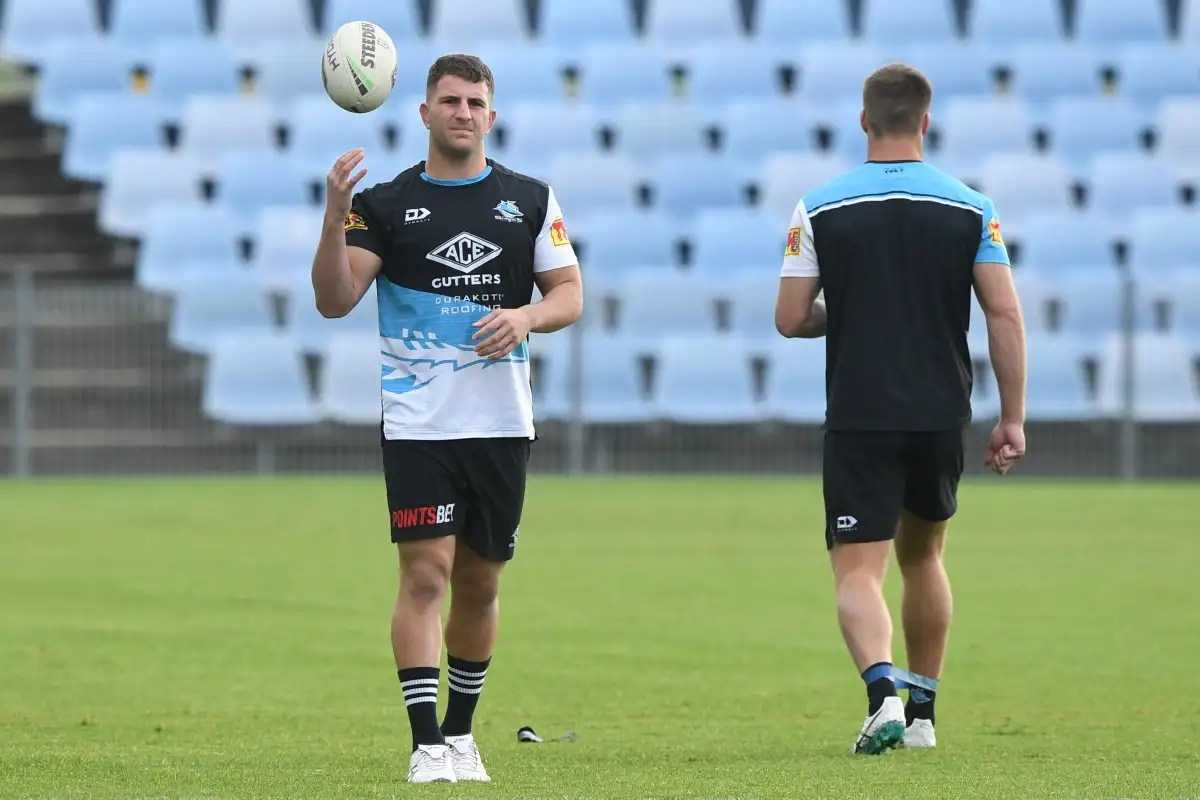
pixel 455 245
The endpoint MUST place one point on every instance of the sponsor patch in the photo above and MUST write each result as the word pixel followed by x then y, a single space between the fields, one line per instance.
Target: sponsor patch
pixel 793 242
pixel 465 252
pixel 355 223
pixel 994 231
pixel 558 233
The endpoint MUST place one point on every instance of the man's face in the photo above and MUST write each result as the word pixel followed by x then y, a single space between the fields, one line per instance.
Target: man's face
pixel 459 114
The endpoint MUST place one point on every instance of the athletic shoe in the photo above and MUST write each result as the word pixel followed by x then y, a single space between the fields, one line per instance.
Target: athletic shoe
pixel 919 734
pixel 464 753
pixel 431 763
pixel 882 730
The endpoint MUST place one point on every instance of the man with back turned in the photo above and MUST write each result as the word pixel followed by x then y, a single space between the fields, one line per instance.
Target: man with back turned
pixel 882 261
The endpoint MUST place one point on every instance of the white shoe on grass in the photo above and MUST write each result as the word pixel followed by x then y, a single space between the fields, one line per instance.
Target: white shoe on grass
pixel 431 763
pixel 882 730
pixel 464 753
pixel 919 734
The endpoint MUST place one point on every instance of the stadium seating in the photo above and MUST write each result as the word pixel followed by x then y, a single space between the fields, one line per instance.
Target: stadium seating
pixel 704 380
pixel 677 148
pixel 256 377
pixel 1164 384
pixel 350 379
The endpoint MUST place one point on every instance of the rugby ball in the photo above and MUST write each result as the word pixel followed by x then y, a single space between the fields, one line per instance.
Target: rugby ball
pixel 359 67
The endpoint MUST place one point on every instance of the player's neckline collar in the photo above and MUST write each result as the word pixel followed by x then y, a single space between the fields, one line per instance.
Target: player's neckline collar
pixel 457 181
pixel 897 161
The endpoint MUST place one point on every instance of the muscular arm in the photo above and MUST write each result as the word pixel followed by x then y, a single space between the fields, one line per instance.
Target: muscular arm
pixel 799 311
pixel 341 274
pixel 562 300
pixel 1006 335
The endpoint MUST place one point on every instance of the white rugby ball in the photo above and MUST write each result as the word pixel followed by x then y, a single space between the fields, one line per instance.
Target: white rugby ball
pixel 359 67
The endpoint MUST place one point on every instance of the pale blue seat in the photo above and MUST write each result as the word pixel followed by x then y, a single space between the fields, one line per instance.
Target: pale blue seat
pixel 704 380
pixel 572 24
pixel 789 22
pixel 258 378
pixel 73 68
pixel 687 21
pixel 462 22
pixel 1055 385
pixel 206 310
pixel 247 23
pixel 206 130
pixel 182 68
pixel 795 384
pixel 26 31
pixel 398 17
pixel 1111 22
pixel 1005 22
pixel 914 20
pixel 142 179
pixel 102 124
pixel 351 388
pixel 1164 388
pixel 135 22
pixel 180 232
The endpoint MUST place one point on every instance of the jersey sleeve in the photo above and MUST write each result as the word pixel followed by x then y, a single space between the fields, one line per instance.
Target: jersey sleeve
pixel 364 228
pixel 991 242
pixel 799 254
pixel 553 249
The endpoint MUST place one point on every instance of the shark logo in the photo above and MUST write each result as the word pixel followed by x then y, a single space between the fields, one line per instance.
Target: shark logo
pixel 428 359
pixel 507 210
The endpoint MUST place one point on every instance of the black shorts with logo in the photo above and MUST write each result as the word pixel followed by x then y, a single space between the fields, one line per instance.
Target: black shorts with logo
pixel 870 476
pixel 470 488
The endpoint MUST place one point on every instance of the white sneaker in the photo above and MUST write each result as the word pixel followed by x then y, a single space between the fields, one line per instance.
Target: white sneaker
pixel 464 753
pixel 431 763
pixel 881 731
pixel 920 734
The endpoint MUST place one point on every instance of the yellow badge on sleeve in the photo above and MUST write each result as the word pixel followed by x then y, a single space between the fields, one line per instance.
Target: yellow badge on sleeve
pixel 793 242
pixel 558 233
pixel 355 223
pixel 994 231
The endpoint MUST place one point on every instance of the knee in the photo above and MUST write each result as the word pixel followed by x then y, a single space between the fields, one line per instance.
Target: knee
pixel 476 591
pixel 918 556
pixel 424 581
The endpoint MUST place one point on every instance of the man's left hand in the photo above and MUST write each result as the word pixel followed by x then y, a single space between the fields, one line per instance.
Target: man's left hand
pixel 500 332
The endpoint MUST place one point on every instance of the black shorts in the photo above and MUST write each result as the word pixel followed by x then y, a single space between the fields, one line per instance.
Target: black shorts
pixel 470 488
pixel 869 476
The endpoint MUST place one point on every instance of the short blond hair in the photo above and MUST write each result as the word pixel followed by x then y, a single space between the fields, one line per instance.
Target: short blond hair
pixel 896 99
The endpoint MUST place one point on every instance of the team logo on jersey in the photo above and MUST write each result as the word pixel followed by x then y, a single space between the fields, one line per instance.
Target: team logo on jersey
pixel 355 223
pixel 507 210
pixel 558 233
pixel 994 231
pixel 465 252
pixel 793 242
pixel 412 215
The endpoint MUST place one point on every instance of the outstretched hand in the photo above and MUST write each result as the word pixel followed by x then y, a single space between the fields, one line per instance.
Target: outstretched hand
pixel 340 183
pixel 501 332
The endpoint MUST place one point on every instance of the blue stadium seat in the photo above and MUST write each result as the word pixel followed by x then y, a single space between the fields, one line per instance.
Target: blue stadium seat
pixel 647 130
pixel 247 23
pixel 1005 22
pixel 787 22
pixel 1164 387
pixel 914 20
pixel 623 72
pixel 612 381
pixel 977 335
pixel 1122 180
pixel 550 367
pixel 795 385
pixel 593 180
pixel 1036 290
pixel 413 60
pixel 746 139
pixel 729 239
pixel 1053 241
pixel 1111 22
pixel 467 21
pixel 1164 238
pixel 545 129
pixel 1045 72
pixel 142 179
pixel 751 294
pixel 704 380
pixel 525 72
pixel 204 310
pixel 180 68
pixel 1080 129
pixel 786 177
pixel 25 31
pixel 205 130
pixel 398 17
pixel 1189 23
pixel 1090 301
pixel 724 72
pixel 973 125
pixel 284 70
pixel 103 123
pixel 73 68
pixel 179 232
pixel 684 183
pixel 1150 73
pixel 283 248
pixel 314 333
pixel 1178 125
pixel 257 378
pixel 350 379
pixel 955 68
pixel 248 181
pixel 651 304
pixel 832 71
pixel 319 133
pixel 1025 182
pixel 1056 388
pixel 620 240
pixel 570 24
pixel 686 21
pixel 135 22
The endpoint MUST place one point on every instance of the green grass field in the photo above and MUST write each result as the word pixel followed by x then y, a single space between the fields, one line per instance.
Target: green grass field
pixel 229 639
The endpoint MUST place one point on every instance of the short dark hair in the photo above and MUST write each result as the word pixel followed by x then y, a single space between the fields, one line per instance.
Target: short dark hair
pixel 460 65
pixel 896 98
